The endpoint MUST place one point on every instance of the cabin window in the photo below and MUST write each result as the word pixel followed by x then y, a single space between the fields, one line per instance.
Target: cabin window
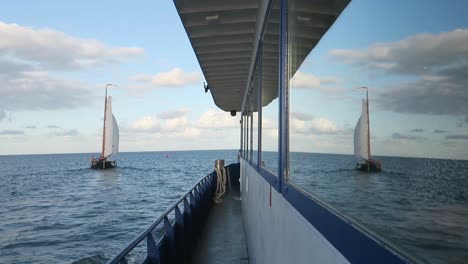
pixel 246 134
pixel 253 107
pixel 313 124
pixel 241 148
pixel 270 103
pixel 251 117
pixel 241 144
pixel 412 59
pixel 248 116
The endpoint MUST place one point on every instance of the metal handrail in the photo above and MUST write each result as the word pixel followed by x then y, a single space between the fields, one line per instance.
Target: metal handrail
pixel 117 258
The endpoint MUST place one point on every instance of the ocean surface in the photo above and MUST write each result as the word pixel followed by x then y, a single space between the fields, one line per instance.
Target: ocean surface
pixel 54 209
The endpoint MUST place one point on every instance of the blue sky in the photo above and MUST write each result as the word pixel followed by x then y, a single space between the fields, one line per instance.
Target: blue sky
pixel 52 102
pixel 417 105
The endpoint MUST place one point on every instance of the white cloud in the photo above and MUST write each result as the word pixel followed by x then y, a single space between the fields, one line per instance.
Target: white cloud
pixel 272 133
pixel 217 119
pixel 305 80
pixel 457 137
pixel 323 126
pixel 2 114
pixel 299 122
pixel 177 124
pixel 438 61
pixel 443 97
pixel 298 126
pixel 145 124
pixel 39 91
pixel 419 54
pixel 302 80
pixel 67 133
pixel 48 49
pixel 174 78
pixel 28 55
pixel 304 123
pixel 174 114
pixel 302 116
pixel 440 131
pixel 166 123
pixel 11 132
pixel 190 132
pixel 400 136
pixel 268 123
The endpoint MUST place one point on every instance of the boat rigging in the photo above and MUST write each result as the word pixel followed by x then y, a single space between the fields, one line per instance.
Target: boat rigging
pixel 110 137
pixel 362 149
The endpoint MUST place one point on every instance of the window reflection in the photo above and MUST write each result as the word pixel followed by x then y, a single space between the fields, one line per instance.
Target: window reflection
pixel 253 103
pixel 413 57
pixel 246 134
pixel 270 58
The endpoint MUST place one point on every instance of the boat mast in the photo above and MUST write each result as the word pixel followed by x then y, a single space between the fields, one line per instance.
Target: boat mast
pixel 368 125
pixel 104 124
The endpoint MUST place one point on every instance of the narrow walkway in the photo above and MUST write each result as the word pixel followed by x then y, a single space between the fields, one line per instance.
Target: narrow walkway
pixel 223 238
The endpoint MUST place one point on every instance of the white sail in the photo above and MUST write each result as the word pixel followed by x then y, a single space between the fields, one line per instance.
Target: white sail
pixel 111 136
pixel 115 136
pixel 361 136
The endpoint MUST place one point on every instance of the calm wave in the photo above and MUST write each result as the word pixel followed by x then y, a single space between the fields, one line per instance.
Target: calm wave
pixel 56 210
pixel 420 205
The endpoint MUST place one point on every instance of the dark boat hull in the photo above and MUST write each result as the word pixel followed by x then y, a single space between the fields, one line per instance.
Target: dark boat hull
pixel 369 167
pixel 101 164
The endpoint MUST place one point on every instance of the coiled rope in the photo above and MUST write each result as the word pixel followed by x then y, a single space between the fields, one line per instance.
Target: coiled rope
pixel 221 184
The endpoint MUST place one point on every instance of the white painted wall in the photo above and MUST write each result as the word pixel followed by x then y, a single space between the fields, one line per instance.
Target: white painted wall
pixel 279 234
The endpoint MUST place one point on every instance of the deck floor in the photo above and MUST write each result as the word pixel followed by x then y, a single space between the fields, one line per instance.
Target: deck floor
pixel 223 238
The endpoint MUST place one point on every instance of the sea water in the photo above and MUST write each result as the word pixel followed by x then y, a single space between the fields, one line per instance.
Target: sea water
pixel 54 209
pixel 419 205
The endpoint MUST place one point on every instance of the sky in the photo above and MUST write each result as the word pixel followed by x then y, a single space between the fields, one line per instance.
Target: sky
pixel 56 57
pixel 412 56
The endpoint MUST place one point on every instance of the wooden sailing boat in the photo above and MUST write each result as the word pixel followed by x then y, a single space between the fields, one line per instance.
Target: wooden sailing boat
pixel 110 138
pixel 362 149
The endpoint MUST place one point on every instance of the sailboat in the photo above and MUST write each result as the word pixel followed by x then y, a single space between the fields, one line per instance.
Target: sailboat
pixel 362 149
pixel 110 138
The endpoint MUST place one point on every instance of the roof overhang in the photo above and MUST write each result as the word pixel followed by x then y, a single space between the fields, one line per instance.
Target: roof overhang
pixel 225 35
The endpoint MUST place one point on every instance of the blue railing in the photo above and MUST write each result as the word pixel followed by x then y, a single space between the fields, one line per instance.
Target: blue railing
pixel 180 235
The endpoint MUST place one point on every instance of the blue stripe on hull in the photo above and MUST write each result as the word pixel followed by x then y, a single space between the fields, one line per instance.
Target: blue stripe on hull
pixel 352 241
pixel 355 245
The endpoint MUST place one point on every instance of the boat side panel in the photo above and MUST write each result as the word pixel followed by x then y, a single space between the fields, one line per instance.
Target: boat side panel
pixel 275 231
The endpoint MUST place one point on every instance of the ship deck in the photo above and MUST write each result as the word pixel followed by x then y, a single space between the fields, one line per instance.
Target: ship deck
pixel 223 238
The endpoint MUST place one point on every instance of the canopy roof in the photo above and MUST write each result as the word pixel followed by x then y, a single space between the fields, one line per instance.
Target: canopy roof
pixel 224 35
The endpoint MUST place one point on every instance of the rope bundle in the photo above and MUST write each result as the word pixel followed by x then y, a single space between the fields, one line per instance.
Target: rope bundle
pixel 221 184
